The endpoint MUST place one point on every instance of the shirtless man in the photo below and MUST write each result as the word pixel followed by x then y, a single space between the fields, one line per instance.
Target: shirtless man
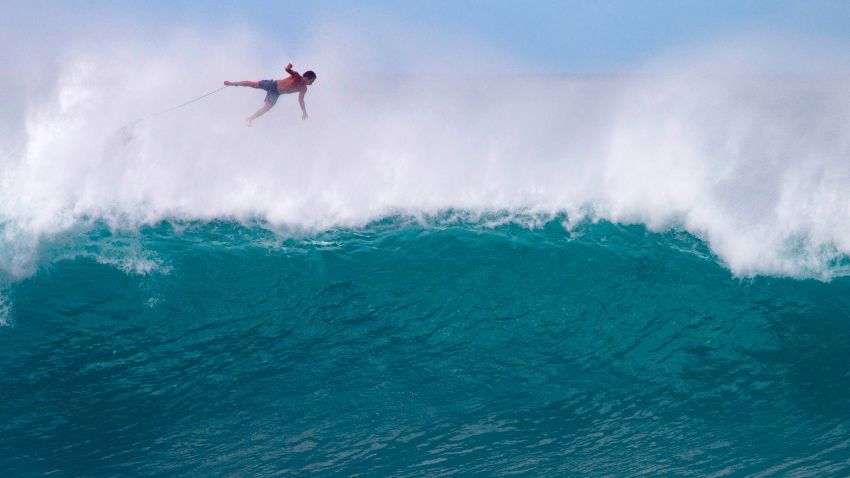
pixel 275 88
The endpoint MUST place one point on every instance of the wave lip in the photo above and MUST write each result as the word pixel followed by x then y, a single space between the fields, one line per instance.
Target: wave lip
pixel 123 243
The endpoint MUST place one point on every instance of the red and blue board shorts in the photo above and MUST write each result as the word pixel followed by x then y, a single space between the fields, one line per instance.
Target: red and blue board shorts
pixel 271 91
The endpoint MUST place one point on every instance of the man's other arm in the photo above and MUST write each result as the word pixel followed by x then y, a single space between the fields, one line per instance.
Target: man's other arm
pixel 301 102
pixel 292 72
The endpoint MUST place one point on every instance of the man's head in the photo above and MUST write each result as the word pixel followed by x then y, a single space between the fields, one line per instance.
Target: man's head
pixel 309 77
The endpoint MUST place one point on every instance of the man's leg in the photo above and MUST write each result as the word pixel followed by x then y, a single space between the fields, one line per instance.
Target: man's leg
pixel 260 112
pixel 252 84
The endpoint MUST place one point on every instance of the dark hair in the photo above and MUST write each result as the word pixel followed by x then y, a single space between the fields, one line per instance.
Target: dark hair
pixel 310 74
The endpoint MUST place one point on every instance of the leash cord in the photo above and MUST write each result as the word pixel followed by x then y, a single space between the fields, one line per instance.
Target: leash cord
pixel 188 102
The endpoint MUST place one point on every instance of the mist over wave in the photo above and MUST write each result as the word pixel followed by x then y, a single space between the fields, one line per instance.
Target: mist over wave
pixel 743 144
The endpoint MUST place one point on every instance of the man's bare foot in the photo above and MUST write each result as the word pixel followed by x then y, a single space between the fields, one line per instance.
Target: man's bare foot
pixel 248 122
pixel 228 83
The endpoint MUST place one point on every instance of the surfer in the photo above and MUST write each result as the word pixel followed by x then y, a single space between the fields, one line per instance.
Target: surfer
pixel 274 88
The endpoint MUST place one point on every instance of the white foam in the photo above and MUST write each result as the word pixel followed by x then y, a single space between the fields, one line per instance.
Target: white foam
pixel 750 157
pixel 5 312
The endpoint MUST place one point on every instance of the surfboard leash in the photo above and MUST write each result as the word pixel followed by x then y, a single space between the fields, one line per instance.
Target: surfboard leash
pixel 188 102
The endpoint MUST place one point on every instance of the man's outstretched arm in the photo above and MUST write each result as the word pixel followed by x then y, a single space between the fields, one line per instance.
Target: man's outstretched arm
pixel 291 71
pixel 301 102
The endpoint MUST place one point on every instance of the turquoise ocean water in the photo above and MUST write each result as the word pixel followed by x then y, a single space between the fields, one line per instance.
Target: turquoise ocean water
pixel 453 346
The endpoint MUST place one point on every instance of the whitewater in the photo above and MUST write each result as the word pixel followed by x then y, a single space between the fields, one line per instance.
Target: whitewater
pixel 748 154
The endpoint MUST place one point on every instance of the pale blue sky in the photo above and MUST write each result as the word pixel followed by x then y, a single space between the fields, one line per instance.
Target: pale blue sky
pixel 557 36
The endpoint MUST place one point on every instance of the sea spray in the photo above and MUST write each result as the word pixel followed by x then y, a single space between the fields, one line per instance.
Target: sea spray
pixel 749 159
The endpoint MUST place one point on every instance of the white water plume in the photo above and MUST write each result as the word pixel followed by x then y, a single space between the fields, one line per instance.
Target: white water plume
pixel 744 144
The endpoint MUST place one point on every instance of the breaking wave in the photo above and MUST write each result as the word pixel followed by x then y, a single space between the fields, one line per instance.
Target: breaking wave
pixel 750 158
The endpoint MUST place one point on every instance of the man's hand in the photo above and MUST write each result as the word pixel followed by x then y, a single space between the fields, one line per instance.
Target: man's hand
pixel 304 115
pixel 289 66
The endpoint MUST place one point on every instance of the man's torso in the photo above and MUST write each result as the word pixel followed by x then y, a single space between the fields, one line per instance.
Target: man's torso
pixel 291 85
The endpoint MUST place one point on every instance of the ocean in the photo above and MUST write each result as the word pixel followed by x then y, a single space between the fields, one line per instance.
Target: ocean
pixel 636 275
pixel 411 348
